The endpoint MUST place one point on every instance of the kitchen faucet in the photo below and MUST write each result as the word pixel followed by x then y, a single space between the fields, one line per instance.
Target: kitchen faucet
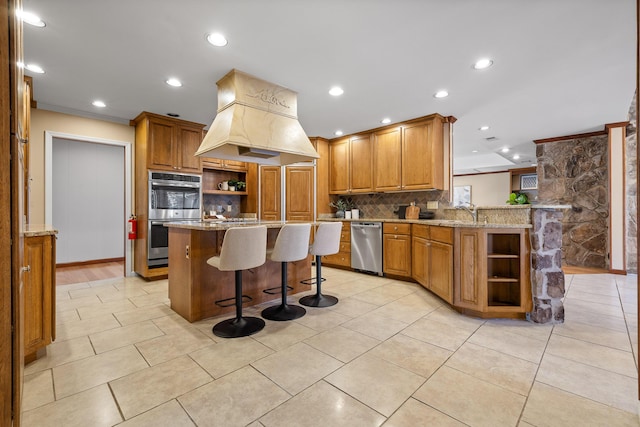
pixel 473 211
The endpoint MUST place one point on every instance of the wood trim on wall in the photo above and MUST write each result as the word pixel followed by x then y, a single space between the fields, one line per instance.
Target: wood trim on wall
pixel 602 132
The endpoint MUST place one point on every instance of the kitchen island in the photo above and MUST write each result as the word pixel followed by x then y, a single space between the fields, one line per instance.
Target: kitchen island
pixel 198 291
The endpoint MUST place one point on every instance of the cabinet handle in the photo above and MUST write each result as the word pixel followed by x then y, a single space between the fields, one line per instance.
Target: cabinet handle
pixel 186 252
pixel 26 269
pixel 395 236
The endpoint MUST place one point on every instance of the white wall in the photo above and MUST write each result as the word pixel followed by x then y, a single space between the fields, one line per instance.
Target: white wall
pixel 488 189
pixel 88 182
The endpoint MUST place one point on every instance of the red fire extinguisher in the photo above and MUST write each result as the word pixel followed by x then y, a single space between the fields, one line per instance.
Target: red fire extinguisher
pixel 133 227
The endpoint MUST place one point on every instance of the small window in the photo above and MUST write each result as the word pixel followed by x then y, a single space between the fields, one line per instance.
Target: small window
pixel 529 182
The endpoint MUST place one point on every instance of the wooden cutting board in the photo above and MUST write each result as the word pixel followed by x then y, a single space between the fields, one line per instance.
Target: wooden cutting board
pixel 412 212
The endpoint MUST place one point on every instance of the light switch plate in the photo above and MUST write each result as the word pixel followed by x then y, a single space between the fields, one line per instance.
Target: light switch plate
pixel 432 204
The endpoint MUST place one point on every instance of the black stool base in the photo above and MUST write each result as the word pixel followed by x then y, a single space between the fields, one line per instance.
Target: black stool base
pixel 283 312
pixel 318 300
pixel 235 328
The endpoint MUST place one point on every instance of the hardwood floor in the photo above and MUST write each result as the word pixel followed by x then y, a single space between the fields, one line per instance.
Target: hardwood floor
pixel 89 272
pixel 572 269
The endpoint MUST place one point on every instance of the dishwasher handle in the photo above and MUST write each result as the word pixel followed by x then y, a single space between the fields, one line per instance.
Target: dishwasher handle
pixel 366 225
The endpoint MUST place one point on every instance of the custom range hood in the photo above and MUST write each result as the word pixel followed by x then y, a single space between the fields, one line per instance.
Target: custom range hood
pixel 257 122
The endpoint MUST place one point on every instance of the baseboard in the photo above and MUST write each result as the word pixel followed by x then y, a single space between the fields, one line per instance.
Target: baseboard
pixel 90 262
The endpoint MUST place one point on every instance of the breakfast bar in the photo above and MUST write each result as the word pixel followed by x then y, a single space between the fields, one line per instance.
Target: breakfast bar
pixel 198 291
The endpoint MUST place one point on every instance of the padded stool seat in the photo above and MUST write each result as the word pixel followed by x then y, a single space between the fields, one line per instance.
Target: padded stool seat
pixel 326 242
pixel 292 244
pixel 242 248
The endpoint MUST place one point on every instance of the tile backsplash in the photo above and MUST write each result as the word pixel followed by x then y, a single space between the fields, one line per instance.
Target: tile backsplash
pixel 385 205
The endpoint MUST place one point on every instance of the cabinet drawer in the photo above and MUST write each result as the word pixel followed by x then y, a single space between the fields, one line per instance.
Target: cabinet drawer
pixel 396 228
pixel 345 235
pixel 418 230
pixel 442 234
pixel 342 258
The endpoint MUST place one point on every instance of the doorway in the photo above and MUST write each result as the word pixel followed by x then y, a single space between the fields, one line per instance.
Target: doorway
pixel 79 172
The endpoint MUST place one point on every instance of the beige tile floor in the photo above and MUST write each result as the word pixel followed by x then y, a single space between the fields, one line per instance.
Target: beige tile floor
pixel 389 353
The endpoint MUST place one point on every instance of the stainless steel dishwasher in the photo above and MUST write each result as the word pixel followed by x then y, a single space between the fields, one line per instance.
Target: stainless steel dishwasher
pixel 366 246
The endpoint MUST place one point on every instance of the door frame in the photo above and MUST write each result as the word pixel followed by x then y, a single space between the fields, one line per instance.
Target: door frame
pixel 128 181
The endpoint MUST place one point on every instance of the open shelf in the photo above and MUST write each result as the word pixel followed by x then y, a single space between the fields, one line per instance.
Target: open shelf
pixel 227 193
pixel 503 270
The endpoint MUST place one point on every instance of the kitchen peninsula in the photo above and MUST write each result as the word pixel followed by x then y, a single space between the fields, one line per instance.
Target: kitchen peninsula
pixel 198 290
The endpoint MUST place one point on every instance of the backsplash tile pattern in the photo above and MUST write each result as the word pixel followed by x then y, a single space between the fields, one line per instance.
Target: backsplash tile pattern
pixel 385 205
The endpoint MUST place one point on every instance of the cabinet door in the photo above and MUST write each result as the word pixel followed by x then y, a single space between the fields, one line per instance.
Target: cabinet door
pixel 160 145
pixel 441 270
pixel 339 167
pixel 470 272
pixel 188 142
pixel 419 261
pixel 361 158
pixel 212 163
pixel 397 254
pixel 387 157
pixel 270 193
pixel 38 293
pixel 299 188
pixel 235 165
pixel 422 156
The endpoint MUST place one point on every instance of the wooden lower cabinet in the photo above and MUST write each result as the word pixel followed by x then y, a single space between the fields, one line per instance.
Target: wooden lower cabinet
pixel 492 272
pixel 396 250
pixel 343 257
pixel 39 293
pixel 432 260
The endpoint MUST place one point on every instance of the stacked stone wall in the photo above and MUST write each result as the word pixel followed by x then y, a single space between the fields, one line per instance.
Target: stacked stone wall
pixel 575 172
pixel 547 278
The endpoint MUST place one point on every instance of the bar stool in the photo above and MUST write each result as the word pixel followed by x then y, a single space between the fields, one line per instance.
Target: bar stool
pixel 242 248
pixel 326 242
pixel 292 244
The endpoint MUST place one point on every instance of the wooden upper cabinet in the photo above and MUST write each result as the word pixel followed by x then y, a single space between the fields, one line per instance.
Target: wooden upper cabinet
pixel 234 165
pixel 361 158
pixel 188 143
pixel 350 161
pixel 423 155
pixel 160 146
pixel 406 156
pixel 168 144
pixel 299 188
pixel 387 158
pixel 339 166
pixel 270 193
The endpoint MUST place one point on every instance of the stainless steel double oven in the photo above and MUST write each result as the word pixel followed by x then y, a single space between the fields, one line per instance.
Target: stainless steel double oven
pixel 172 197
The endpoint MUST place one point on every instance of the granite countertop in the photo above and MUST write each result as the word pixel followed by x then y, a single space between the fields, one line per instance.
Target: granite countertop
pixel 32 230
pixel 212 225
pixel 437 222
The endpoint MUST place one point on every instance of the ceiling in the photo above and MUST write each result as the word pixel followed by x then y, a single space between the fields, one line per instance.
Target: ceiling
pixel 560 67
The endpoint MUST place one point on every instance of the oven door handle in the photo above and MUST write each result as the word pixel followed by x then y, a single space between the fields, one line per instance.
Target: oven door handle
pixel 158 222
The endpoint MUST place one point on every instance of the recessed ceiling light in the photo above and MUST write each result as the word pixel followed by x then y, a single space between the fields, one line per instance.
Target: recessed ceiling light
pixel 99 104
pixel 217 39
pixel 505 150
pixel 338 133
pixel 483 63
pixel 474 151
pixel 336 91
pixel 174 82
pixel 31 18
pixel 385 120
pixel 441 94
pixel 483 128
pixel 34 68
pixel 516 156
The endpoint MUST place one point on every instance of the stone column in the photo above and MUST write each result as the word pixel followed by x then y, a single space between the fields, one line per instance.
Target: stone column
pixel 547 278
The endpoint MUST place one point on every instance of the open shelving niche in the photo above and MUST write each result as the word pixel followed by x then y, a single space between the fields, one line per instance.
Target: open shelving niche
pixel 211 178
pixel 503 270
